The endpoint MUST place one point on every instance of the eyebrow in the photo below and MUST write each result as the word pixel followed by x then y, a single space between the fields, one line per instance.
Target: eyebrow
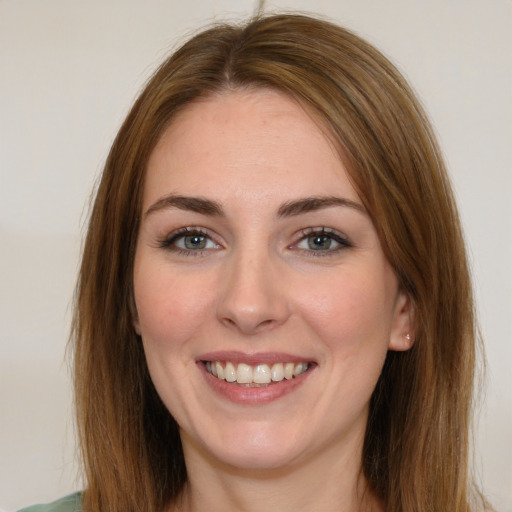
pixel 311 204
pixel 214 209
pixel 188 203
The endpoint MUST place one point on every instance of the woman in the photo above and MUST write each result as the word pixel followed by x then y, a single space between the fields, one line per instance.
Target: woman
pixel 274 307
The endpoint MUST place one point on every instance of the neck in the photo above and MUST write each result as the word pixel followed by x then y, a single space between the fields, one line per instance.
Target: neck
pixel 331 482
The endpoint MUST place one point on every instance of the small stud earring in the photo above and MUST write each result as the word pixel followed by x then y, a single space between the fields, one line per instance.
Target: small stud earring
pixel 407 337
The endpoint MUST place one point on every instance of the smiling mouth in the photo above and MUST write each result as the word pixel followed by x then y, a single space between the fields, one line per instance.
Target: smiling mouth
pixel 259 375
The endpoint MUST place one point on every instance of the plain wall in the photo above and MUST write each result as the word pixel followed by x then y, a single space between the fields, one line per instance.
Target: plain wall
pixel 69 71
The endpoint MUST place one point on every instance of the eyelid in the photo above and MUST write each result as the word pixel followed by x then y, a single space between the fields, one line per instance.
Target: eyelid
pixel 341 239
pixel 169 241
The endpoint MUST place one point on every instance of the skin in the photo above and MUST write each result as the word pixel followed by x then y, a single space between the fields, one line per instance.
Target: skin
pixel 257 287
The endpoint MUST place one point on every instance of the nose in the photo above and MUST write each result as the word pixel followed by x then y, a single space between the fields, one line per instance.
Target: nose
pixel 254 294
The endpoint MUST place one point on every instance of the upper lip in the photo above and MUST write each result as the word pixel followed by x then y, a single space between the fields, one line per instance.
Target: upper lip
pixel 254 357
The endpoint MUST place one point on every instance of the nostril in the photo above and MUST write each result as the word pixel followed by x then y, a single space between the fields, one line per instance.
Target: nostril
pixel 248 325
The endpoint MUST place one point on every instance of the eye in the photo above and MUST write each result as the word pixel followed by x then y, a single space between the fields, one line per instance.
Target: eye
pixel 194 242
pixel 322 240
pixel 189 240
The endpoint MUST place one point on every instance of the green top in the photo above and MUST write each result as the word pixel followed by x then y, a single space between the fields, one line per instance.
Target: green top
pixel 71 503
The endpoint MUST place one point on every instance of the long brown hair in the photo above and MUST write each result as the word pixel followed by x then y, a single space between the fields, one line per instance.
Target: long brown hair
pixel 416 446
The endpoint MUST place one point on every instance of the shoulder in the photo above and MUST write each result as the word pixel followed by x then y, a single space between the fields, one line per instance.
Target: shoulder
pixel 71 503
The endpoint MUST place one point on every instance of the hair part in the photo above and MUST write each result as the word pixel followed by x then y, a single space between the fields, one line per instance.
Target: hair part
pixel 416 446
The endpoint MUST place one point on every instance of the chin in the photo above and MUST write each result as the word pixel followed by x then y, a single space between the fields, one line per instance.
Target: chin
pixel 251 448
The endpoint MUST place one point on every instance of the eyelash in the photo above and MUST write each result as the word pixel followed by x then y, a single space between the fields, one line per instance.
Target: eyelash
pixel 341 240
pixel 170 241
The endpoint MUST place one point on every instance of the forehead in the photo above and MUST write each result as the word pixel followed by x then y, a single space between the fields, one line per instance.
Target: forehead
pixel 246 142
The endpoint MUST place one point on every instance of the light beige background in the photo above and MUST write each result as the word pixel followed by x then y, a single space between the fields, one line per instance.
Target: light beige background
pixel 69 71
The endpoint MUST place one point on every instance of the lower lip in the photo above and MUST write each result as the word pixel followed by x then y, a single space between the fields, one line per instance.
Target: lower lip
pixel 253 395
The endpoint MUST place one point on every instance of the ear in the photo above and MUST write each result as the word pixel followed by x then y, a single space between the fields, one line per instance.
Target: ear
pixel 135 316
pixel 402 329
pixel 136 326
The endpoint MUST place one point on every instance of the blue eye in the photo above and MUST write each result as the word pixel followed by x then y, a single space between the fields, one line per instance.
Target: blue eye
pixel 189 240
pixel 322 241
pixel 194 242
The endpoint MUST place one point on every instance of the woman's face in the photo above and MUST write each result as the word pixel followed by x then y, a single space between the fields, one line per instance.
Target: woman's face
pixel 265 303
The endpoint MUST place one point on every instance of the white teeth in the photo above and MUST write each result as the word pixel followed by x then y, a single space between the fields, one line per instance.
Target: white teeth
pixel 244 374
pixel 288 371
pixel 259 374
pixel 220 370
pixel 277 372
pixel 230 372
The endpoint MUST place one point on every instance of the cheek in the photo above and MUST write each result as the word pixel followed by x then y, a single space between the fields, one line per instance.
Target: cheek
pixel 352 309
pixel 170 306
